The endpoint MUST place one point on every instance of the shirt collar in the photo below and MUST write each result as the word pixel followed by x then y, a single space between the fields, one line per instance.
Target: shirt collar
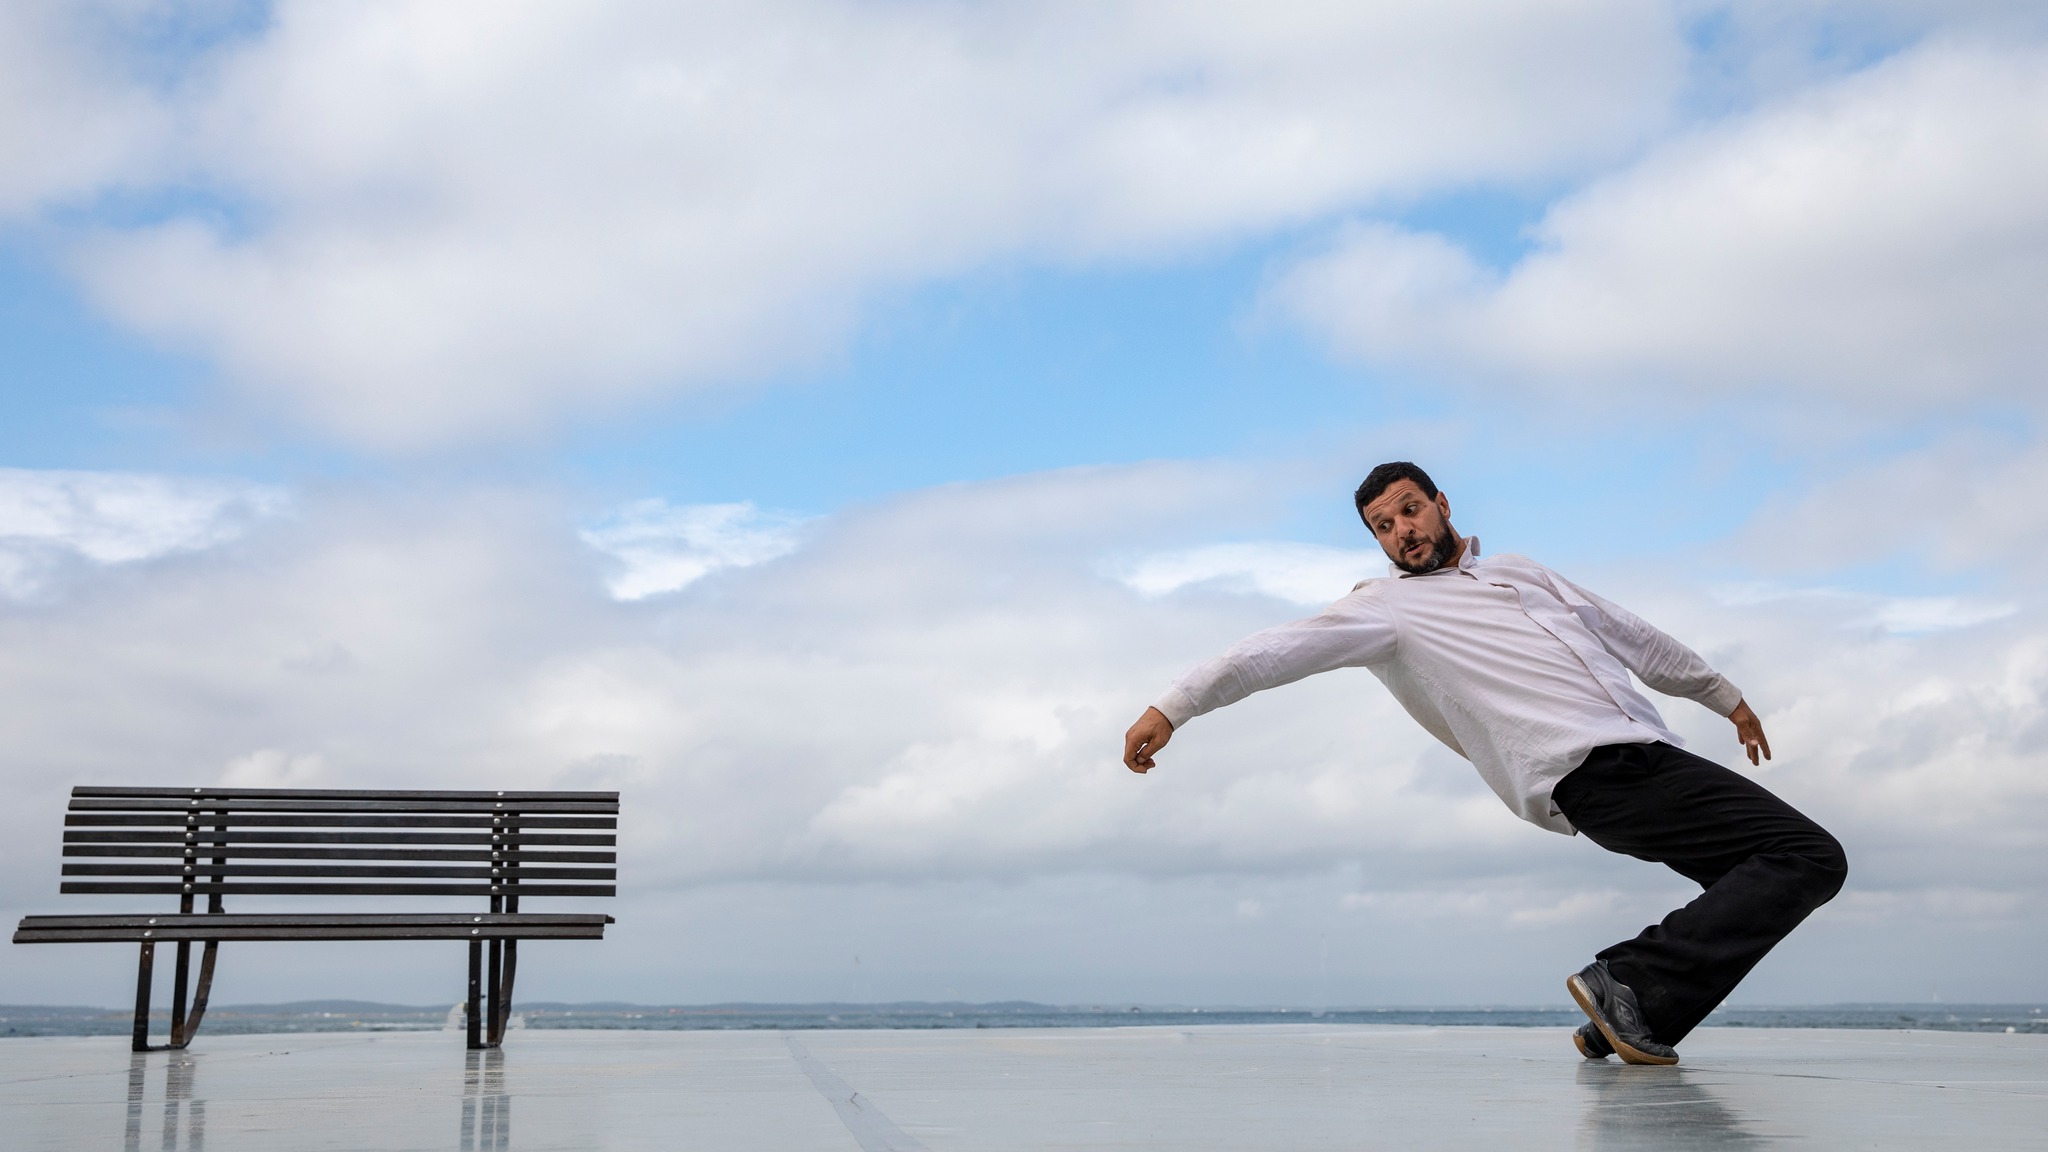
pixel 1465 561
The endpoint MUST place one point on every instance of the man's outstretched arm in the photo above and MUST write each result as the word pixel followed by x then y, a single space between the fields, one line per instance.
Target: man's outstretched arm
pixel 1352 632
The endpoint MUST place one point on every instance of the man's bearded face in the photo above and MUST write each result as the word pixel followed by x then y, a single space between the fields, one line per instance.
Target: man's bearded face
pixel 1413 529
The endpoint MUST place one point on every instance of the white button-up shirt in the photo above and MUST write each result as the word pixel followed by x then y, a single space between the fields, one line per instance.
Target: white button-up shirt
pixel 1512 666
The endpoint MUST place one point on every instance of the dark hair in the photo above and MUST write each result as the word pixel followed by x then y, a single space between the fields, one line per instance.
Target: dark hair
pixel 1386 476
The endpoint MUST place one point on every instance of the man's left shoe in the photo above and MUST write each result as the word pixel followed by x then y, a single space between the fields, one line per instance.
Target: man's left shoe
pixel 1592 1045
pixel 1611 1005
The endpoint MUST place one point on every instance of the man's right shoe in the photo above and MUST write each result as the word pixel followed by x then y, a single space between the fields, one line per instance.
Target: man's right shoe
pixel 1611 1006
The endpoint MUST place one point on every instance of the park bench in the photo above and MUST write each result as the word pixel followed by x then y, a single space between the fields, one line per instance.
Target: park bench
pixel 221 842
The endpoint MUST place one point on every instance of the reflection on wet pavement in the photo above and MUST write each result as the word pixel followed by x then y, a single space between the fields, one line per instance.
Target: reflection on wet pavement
pixel 180 1109
pixel 1642 1107
pixel 1188 1089
pixel 486 1108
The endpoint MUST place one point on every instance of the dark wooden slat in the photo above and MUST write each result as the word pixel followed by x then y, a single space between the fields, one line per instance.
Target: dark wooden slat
pixel 215 807
pixel 366 932
pixel 365 871
pixel 297 853
pixel 215 803
pixel 245 888
pixel 92 790
pixel 89 920
pixel 229 800
pixel 206 837
pixel 305 926
pixel 337 820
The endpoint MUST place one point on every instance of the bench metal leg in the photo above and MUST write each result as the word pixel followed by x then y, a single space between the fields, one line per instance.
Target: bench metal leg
pixel 179 982
pixel 501 994
pixel 144 970
pixel 183 1037
pixel 491 990
pixel 476 979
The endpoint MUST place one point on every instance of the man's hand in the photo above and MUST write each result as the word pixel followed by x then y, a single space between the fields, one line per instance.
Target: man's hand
pixel 1748 729
pixel 1147 736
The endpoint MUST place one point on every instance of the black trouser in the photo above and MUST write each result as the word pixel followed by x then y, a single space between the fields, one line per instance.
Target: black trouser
pixel 1763 865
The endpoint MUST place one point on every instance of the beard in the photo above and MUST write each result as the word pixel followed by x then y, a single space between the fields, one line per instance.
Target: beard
pixel 1446 543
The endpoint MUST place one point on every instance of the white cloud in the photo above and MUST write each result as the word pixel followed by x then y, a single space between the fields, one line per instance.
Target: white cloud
pixel 274 768
pixel 458 220
pixel 1307 574
pixel 1911 615
pixel 1938 904
pixel 1897 615
pixel 1511 905
pixel 1964 505
pixel 49 519
pixel 71 123
pixel 1881 239
pixel 660 548
pixel 1574 908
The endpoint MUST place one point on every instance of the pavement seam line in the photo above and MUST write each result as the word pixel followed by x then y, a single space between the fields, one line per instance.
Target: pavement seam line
pixel 872 1130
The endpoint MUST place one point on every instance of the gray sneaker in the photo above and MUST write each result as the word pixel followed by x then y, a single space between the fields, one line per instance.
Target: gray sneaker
pixel 1592 1045
pixel 1611 1006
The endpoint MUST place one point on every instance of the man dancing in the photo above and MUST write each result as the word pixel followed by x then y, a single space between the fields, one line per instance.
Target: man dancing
pixel 1525 674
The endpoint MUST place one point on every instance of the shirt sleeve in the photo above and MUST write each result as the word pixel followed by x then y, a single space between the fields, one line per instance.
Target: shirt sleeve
pixel 1355 631
pixel 1655 657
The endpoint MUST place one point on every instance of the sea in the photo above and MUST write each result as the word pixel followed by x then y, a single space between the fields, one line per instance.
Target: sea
pixel 360 1016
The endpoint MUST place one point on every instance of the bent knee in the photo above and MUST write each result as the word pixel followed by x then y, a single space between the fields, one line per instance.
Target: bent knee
pixel 1830 867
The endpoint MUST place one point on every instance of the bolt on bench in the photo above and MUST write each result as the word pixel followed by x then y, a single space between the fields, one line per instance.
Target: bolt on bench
pixel 220 842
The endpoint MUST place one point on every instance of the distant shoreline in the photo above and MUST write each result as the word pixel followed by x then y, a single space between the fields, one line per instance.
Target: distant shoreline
pixel 363 1016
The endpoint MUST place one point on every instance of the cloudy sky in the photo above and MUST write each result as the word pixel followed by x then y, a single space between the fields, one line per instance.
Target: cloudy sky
pixel 829 423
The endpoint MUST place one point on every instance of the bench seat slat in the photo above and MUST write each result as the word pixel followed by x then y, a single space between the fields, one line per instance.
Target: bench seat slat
pixel 207 838
pixel 233 919
pixel 300 926
pixel 95 790
pixel 295 853
pixel 211 820
pixel 364 871
pixel 258 888
pixel 468 807
pixel 229 800
pixel 132 935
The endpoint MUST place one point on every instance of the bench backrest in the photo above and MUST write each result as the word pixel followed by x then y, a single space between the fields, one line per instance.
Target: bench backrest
pixel 218 842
